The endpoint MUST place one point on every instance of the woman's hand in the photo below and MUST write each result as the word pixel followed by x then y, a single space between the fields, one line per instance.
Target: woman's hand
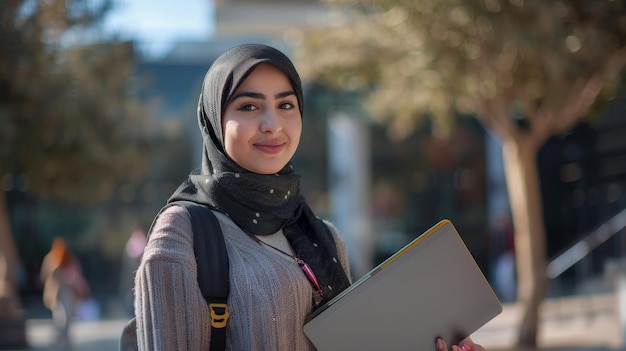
pixel 466 345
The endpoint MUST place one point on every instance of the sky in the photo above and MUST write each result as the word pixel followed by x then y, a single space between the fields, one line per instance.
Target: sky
pixel 156 24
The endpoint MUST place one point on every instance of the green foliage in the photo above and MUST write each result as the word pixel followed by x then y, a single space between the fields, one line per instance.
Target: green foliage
pixel 435 57
pixel 71 126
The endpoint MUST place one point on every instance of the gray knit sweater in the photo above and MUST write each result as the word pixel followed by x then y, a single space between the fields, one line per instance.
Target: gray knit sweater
pixel 269 296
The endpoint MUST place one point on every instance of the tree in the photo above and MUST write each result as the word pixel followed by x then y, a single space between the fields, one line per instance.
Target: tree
pixel 71 126
pixel 527 70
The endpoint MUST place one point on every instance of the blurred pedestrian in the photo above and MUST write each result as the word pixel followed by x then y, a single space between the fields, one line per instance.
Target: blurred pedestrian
pixel 504 274
pixel 64 288
pixel 133 251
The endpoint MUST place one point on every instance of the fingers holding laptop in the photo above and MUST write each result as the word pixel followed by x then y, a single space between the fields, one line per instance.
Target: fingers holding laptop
pixel 465 345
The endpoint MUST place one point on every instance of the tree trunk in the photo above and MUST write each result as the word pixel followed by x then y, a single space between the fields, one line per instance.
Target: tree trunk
pixel 12 324
pixel 522 175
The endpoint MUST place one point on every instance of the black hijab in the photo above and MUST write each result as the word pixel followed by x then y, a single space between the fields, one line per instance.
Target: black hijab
pixel 260 204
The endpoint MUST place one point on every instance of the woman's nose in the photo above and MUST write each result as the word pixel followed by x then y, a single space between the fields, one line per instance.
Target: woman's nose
pixel 270 121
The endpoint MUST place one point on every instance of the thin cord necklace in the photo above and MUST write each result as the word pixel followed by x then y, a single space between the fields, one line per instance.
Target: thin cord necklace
pixel 308 272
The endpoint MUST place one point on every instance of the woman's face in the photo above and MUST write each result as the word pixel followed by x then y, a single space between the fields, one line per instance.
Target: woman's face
pixel 262 122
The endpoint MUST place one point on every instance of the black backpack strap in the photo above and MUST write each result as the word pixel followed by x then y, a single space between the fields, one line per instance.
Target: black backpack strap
pixel 212 260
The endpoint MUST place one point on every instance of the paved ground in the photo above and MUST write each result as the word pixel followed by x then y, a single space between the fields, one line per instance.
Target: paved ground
pixel 578 323
pixel 573 323
pixel 88 336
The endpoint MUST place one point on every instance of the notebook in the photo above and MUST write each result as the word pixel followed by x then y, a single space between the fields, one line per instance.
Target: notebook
pixel 432 287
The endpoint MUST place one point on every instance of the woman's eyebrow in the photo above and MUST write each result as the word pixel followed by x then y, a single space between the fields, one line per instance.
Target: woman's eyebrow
pixel 254 95
pixel 249 94
pixel 285 94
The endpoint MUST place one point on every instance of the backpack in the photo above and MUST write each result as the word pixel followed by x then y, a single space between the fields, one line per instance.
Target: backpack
pixel 212 260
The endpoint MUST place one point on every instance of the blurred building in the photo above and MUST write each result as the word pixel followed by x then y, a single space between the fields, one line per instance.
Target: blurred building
pixel 583 179
pixel 279 19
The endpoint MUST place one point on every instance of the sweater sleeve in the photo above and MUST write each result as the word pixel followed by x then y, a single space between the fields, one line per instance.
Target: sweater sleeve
pixel 171 312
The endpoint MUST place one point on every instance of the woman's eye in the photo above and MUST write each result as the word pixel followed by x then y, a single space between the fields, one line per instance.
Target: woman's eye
pixel 287 106
pixel 248 107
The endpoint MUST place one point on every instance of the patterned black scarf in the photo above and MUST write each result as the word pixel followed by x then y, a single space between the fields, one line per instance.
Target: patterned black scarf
pixel 259 204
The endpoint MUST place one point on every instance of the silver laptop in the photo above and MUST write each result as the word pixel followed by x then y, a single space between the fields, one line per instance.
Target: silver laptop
pixel 432 287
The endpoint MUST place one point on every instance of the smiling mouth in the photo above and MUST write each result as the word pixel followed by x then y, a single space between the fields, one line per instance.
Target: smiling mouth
pixel 270 149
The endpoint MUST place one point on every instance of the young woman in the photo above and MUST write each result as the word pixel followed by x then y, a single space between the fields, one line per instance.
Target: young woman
pixel 250 116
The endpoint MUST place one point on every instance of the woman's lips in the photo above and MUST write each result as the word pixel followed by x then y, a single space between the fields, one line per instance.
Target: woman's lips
pixel 270 148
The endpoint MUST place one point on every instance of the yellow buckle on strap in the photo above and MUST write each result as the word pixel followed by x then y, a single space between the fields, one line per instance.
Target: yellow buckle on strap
pixel 219 320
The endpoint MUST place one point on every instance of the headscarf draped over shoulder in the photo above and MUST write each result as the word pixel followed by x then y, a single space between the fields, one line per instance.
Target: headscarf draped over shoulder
pixel 260 204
